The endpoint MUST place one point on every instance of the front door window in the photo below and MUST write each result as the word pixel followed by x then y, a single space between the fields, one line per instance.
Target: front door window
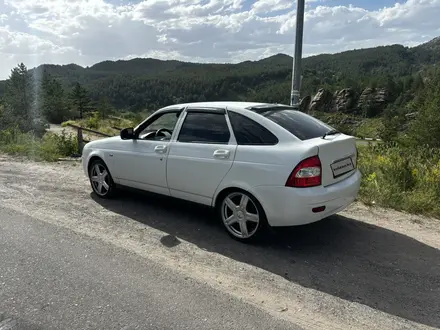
pixel 161 128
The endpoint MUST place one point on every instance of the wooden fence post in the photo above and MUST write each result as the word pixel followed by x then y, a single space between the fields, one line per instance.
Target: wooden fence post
pixel 80 140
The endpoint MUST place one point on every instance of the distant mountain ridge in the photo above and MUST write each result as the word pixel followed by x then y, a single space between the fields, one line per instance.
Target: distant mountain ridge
pixel 147 82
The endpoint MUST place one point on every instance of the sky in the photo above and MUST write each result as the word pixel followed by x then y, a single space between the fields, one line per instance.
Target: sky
pixel 89 31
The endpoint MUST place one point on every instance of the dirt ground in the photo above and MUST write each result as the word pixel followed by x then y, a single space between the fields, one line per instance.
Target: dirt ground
pixel 366 268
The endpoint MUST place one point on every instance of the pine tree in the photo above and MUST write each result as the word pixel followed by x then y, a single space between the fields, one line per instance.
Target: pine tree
pixel 80 100
pixel 20 102
pixel 104 107
pixel 52 100
pixel 19 93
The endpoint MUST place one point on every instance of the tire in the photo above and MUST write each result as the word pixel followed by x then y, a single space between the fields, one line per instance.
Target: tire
pixel 101 180
pixel 247 219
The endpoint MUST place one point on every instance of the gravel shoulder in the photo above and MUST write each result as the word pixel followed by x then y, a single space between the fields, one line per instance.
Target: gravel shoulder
pixel 366 268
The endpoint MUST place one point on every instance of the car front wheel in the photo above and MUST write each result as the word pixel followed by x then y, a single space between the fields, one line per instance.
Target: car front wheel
pixel 101 180
pixel 242 216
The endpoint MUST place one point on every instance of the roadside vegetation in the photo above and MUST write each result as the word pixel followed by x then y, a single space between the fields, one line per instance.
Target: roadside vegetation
pixel 50 147
pixel 29 103
pixel 402 171
pixel 110 124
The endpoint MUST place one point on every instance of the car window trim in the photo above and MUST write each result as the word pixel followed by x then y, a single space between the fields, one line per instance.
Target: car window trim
pixel 206 110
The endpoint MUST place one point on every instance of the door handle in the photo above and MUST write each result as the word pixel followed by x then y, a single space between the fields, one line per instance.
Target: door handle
pixel 161 149
pixel 222 154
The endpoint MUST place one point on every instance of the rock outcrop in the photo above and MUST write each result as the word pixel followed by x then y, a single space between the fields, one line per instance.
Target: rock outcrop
pixel 322 101
pixel 305 103
pixel 371 101
pixel 344 100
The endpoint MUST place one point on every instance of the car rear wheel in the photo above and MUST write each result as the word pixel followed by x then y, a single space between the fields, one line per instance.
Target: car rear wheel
pixel 242 216
pixel 101 180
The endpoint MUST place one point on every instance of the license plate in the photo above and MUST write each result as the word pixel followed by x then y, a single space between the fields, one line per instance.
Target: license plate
pixel 342 166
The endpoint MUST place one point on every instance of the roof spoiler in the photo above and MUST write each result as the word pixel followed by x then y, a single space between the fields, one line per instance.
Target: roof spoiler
pixel 272 107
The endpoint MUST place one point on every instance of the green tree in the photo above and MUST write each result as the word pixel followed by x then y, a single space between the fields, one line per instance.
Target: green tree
pixel 425 128
pixel 80 100
pixel 20 102
pixel 19 92
pixel 104 107
pixel 393 121
pixel 53 102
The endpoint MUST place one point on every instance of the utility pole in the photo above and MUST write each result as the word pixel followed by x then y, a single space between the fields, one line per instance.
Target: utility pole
pixel 296 69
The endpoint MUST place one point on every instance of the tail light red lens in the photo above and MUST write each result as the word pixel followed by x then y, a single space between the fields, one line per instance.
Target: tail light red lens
pixel 306 174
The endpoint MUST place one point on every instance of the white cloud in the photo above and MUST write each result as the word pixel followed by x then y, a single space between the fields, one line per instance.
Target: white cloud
pixel 89 31
pixel 267 6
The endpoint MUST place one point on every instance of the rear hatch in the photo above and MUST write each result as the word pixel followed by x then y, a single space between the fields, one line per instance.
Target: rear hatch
pixel 338 157
pixel 336 151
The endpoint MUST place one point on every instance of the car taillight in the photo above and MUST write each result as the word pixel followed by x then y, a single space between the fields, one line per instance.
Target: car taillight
pixel 306 174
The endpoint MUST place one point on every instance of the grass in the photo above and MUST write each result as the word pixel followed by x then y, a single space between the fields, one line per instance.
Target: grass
pixel 50 147
pixel 401 178
pixel 105 125
pixel 370 128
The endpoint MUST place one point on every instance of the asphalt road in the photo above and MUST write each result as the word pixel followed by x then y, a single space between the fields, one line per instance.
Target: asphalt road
pixel 54 278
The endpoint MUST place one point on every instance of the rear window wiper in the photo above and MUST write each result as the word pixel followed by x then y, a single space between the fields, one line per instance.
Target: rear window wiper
pixel 331 132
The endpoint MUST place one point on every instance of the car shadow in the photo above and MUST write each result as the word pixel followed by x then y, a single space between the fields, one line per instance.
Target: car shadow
pixel 340 256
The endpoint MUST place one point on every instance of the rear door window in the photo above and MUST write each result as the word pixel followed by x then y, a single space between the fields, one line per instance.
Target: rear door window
pixel 204 127
pixel 303 126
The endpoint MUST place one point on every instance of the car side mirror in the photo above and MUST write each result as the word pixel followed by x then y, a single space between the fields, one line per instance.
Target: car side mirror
pixel 127 133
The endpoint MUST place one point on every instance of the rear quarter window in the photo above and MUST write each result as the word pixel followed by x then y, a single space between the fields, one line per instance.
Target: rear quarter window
pixel 249 132
pixel 303 126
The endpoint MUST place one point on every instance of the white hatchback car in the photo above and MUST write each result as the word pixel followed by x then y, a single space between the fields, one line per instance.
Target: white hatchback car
pixel 258 164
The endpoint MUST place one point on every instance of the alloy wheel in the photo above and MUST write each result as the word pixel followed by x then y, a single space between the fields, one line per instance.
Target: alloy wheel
pixel 100 179
pixel 240 215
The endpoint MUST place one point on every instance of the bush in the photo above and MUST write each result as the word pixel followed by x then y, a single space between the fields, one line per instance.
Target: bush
pixel 93 121
pixel 71 122
pixel 49 148
pixel 402 178
pixel 54 146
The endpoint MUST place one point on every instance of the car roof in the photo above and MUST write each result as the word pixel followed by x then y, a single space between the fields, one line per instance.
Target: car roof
pixel 251 109
pixel 222 104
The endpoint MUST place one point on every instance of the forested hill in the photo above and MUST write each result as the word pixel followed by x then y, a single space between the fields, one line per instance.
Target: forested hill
pixel 150 83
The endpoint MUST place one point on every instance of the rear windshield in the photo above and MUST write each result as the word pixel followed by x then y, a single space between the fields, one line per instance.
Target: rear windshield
pixel 301 125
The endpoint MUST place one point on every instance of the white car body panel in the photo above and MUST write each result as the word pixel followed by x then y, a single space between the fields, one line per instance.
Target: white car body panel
pixel 138 164
pixel 191 171
pixel 194 173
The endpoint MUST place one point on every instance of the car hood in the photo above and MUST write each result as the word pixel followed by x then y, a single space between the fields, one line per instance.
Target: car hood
pixel 104 143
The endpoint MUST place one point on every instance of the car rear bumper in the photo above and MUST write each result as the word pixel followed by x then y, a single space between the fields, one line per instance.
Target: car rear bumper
pixel 286 206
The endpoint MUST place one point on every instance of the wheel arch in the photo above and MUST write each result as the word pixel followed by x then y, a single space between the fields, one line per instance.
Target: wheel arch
pixel 92 159
pixel 90 155
pixel 225 190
